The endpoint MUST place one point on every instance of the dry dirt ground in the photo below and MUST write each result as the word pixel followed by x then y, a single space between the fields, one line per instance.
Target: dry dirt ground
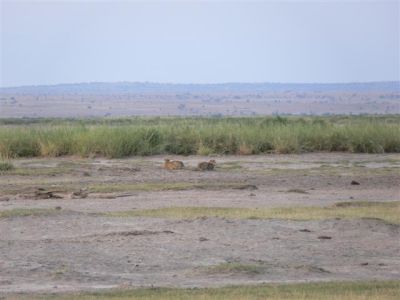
pixel 196 104
pixel 72 245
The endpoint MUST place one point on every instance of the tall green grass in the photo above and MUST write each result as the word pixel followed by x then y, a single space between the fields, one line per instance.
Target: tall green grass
pixel 147 136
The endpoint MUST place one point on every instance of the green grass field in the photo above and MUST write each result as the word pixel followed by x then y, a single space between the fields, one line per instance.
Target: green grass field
pixel 147 136
pixel 321 291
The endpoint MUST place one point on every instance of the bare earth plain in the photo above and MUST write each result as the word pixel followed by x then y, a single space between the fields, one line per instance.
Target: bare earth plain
pixel 74 224
pixel 197 104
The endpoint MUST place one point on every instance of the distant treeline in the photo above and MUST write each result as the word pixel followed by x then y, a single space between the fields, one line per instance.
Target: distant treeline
pixel 109 88
pixel 205 136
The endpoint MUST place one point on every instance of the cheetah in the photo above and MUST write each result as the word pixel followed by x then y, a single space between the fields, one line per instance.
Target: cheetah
pixel 207 165
pixel 173 164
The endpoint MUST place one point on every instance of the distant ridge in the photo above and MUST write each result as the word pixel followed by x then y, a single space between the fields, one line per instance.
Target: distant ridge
pixel 147 87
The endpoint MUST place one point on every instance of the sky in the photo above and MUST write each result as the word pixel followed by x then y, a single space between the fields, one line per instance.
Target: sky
pixel 51 42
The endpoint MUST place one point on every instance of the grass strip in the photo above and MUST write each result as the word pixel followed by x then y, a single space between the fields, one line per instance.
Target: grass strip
pixel 362 290
pixel 387 211
pixel 26 212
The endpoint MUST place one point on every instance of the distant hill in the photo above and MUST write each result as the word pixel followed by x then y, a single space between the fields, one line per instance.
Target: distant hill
pixel 105 88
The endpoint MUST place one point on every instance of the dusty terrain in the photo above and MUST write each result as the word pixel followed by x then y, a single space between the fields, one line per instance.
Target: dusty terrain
pixel 197 104
pixel 72 244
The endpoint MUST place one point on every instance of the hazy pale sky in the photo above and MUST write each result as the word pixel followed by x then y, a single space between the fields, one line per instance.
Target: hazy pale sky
pixel 48 42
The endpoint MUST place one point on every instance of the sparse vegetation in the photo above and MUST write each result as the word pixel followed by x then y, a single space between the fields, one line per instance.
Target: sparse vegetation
pixel 178 186
pixel 122 187
pixel 147 136
pixel 360 290
pixel 387 211
pixel 229 166
pixel 163 186
pixel 363 204
pixel 48 171
pixel 235 268
pixel 6 166
pixel 298 191
pixel 25 212
pixel 110 187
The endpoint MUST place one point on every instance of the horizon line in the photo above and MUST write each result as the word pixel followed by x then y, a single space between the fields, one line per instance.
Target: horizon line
pixel 196 83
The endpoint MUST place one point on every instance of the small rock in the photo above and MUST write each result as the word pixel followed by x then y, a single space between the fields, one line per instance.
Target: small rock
pixel 351 197
pixel 203 239
pixel 364 264
pixel 5 199
pixel 305 230
pixel 353 182
pixel 324 237
pixel 252 195
pixel 58 207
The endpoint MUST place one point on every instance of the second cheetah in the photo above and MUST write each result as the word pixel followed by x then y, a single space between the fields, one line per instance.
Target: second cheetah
pixel 207 165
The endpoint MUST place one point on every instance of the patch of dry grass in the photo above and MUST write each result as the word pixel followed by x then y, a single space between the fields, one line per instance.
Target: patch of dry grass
pixel 48 171
pixel 162 186
pixel 25 212
pixel 26 187
pixel 387 211
pixel 298 191
pixel 235 268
